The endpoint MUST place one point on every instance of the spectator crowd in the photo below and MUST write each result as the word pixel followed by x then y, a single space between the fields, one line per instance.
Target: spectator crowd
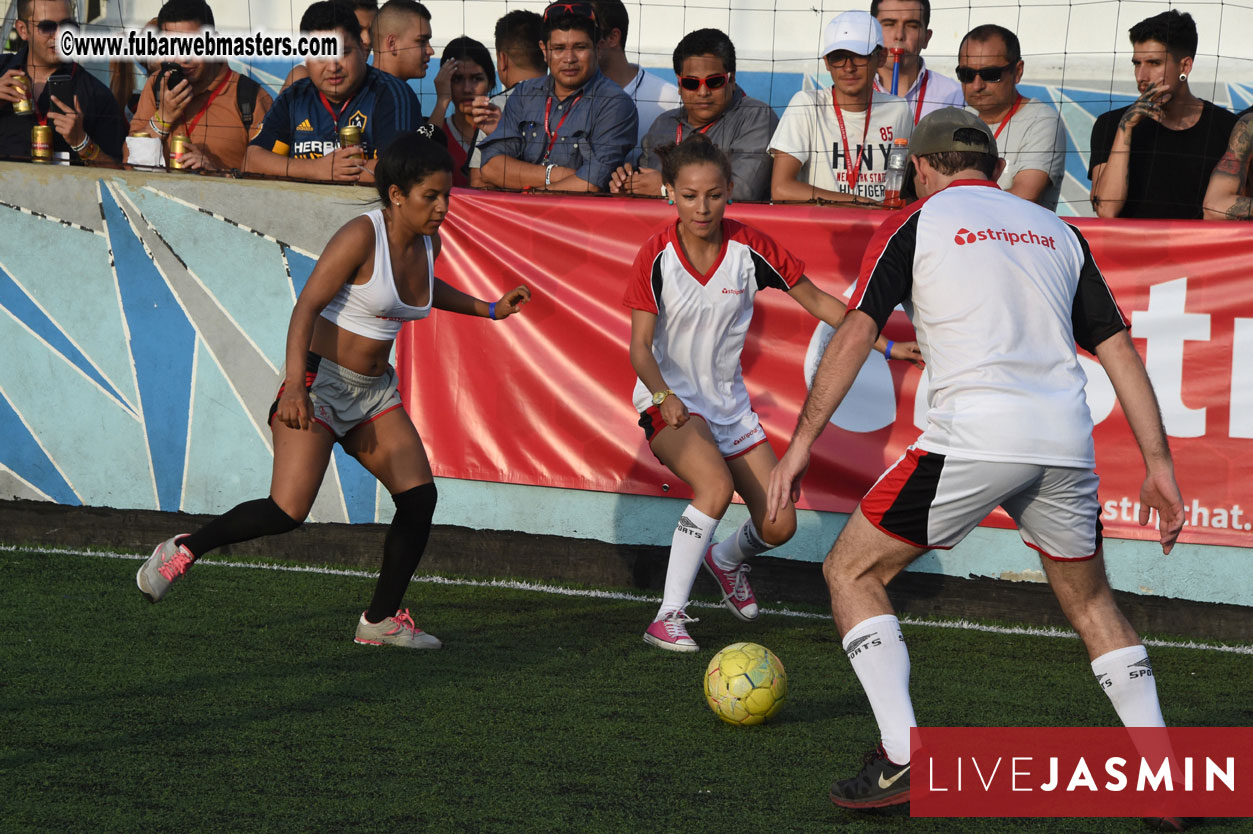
pixel 558 106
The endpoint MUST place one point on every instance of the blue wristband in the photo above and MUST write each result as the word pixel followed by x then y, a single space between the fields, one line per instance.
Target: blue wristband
pixel 887 349
pixel 491 311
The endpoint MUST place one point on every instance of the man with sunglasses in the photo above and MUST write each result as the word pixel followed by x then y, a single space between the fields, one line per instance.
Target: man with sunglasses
pixel 652 95
pixel 906 27
pixel 833 144
pixel 571 129
pixel 1029 133
pixel 1154 157
pixel 713 104
pixel 89 128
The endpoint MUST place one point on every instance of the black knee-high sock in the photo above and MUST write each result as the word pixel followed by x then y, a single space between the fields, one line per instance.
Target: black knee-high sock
pixel 249 520
pixel 406 539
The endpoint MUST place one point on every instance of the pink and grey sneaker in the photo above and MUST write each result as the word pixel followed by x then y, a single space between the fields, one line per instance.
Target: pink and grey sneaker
pixel 167 563
pixel 737 594
pixel 397 630
pixel 670 632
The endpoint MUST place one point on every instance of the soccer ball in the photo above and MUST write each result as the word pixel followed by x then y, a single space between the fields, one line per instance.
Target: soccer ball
pixel 745 684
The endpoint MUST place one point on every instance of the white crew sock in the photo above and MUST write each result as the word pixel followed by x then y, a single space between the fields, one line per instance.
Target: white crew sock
pixel 692 536
pixel 1127 678
pixel 876 648
pixel 733 551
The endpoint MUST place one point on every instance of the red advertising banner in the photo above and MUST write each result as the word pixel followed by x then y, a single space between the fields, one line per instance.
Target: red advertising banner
pixel 1081 772
pixel 544 398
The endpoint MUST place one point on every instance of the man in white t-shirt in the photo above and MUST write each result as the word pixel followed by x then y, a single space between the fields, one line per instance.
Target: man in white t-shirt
pixel 652 95
pixel 999 292
pixel 906 27
pixel 834 144
pixel 1029 133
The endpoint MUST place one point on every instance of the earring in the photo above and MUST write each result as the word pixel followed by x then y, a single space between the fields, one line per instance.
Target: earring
pixel 671 202
pixel 1183 77
pixel 730 201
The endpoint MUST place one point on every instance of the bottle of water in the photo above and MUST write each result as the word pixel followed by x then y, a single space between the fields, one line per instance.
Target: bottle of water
pixel 898 161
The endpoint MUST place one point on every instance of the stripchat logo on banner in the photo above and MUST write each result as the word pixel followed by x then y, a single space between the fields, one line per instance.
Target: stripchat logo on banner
pixel 1081 772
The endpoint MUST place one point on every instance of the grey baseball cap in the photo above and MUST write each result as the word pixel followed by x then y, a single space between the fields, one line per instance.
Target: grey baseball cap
pixel 936 133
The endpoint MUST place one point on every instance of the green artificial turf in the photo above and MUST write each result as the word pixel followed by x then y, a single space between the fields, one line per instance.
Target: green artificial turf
pixel 241 704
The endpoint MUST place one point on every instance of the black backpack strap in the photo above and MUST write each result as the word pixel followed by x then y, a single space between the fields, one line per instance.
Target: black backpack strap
pixel 246 99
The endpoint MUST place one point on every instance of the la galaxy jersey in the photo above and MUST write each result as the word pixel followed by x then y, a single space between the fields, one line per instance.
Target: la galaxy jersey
pixel 304 124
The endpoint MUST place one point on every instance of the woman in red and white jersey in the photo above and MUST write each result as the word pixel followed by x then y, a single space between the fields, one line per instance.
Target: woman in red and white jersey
pixel 691 297
pixel 377 272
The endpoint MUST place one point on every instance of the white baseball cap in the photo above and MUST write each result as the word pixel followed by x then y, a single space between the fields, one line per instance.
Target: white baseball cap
pixel 853 31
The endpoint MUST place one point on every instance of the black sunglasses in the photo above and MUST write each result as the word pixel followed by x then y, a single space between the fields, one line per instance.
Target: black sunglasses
pixel 714 82
pixel 556 10
pixel 50 27
pixel 966 75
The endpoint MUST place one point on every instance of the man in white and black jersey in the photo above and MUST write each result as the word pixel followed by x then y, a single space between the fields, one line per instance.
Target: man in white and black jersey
pixel 999 291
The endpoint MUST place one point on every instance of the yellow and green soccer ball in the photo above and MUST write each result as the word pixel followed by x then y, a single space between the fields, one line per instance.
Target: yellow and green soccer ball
pixel 745 684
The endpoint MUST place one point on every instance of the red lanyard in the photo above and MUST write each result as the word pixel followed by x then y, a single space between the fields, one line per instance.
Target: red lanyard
pixel 852 172
pixel 678 130
pixel 217 91
pixel 1017 103
pixel 552 137
pixel 327 104
pixel 922 96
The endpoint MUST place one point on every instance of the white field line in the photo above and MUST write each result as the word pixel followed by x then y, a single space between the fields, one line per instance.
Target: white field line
pixel 543 588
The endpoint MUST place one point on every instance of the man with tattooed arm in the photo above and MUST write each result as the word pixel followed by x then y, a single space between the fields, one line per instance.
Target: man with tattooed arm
pixel 1230 193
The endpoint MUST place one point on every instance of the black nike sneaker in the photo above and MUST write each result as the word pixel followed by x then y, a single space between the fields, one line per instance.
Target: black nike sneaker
pixel 879 784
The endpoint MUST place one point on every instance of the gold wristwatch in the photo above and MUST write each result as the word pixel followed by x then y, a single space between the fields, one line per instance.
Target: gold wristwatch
pixel 660 396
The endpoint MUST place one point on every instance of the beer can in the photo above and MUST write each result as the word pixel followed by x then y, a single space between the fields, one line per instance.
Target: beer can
pixel 23 106
pixel 350 135
pixel 141 134
pixel 178 144
pixel 41 143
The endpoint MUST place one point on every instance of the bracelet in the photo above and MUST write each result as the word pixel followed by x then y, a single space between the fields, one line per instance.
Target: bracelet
pixel 89 153
pixel 152 123
pixel 548 174
pixel 491 311
pixel 887 349
pixel 81 146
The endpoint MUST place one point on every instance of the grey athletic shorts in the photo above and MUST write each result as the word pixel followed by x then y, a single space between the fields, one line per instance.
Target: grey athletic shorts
pixel 343 399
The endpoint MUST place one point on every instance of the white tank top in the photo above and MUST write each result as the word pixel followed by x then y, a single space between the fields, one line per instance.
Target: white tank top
pixel 374 309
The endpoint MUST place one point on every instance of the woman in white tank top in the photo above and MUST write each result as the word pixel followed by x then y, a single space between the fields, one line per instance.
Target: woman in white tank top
pixel 376 272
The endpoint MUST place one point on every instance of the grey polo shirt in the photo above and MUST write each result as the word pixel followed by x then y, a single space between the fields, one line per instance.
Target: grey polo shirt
pixel 743 132
pixel 597 133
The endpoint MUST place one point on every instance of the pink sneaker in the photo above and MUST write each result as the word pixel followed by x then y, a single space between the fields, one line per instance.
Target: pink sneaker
pixel 737 594
pixel 168 562
pixel 670 633
pixel 398 630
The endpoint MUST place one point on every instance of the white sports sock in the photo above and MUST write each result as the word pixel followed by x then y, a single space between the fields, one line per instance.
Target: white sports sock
pixel 876 648
pixel 1127 678
pixel 692 535
pixel 733 551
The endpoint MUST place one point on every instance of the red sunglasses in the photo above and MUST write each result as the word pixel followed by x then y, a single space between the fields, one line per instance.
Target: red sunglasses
pixel 556 10
pixel 714 82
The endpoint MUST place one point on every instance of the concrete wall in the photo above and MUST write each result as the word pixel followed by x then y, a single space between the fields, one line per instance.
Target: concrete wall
pixel 142 319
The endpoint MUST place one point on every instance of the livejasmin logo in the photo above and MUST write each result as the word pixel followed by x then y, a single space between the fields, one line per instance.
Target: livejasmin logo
pixel 965 236
pixel 1080 771
pixel 1029 773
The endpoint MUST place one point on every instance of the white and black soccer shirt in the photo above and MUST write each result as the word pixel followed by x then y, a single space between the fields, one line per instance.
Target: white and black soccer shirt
pixel 999 291
pixel 702 319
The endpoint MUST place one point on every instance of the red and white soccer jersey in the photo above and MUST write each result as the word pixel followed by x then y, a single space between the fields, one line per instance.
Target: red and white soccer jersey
pixel 702 320
pixel 997 311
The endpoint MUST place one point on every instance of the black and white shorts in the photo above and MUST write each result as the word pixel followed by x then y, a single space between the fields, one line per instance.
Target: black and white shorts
pixel 933 501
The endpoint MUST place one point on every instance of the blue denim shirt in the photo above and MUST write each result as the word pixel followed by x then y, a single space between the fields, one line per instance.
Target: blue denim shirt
pixel 597 135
